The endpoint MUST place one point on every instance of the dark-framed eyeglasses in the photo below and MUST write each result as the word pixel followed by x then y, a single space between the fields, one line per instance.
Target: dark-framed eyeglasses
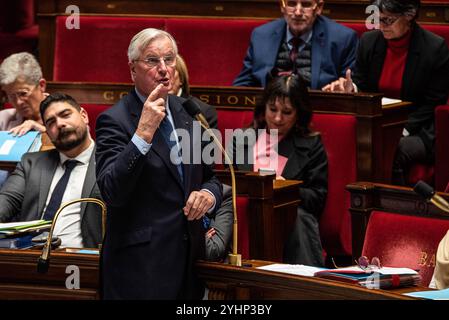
pixel 388 20
pixel 305 4
pixel 365 264
pixel 154 61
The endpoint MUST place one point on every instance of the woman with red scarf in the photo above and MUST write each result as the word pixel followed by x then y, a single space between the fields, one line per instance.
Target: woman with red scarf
pixel 403 61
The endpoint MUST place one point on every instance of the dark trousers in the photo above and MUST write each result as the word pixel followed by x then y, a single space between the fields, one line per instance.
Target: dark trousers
pixel 411 150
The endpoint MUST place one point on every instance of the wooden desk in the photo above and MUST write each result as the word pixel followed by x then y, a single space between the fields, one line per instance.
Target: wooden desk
pixel 226 282
pixel 19 280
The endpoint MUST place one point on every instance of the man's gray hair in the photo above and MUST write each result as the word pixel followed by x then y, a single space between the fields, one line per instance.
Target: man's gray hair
pixel 141 40
pixel 20 66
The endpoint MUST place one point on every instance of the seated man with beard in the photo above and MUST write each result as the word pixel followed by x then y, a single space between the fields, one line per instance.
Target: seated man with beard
pixel 42 181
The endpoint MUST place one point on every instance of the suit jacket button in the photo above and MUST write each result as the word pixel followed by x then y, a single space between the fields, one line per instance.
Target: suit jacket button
pixel 185 237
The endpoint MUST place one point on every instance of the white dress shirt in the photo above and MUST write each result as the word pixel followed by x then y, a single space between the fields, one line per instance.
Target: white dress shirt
pixel 68 225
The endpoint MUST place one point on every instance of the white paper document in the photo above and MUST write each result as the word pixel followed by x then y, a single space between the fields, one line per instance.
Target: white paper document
pixel 297 269
pixel 387 101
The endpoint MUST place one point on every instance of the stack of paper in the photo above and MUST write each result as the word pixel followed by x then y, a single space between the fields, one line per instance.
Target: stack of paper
pixel 297 269
pixel 383 278
pixel 15 228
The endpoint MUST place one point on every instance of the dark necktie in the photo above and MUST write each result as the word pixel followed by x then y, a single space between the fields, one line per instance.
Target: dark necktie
pixel 166 129
pixel 58 192
pixel 295 42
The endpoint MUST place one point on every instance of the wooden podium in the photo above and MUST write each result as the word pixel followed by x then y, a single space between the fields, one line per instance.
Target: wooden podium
pixel 19 278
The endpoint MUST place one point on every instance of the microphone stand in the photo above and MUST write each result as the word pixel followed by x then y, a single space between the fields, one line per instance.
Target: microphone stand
pixel 440 203
pixel 427 192
pixel 43 262
pixel 235 258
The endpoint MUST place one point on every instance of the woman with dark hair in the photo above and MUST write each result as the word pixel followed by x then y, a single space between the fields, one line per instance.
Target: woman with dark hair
pixel 296 154
pixel 407 62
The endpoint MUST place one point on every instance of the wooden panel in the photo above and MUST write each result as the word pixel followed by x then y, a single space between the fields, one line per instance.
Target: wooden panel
pixel 19 278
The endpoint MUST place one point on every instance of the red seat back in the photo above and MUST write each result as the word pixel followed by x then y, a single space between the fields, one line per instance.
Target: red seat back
pixel 338 134
pixel 358 27
pixel 93 110
pixel 404 241
pixel 97 51
pixel 422 172
pixel 213 48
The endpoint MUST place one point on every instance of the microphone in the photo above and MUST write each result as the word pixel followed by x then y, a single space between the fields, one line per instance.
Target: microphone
pixel 193 109
pixel 427 192
pixel 43 263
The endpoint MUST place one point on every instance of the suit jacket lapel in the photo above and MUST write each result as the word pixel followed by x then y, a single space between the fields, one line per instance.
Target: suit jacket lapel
pixel 318 43
pixel 297 153
pixel 412 62
pixel 47 172
pixel 380 51
pixel 89 183
pixel 273 44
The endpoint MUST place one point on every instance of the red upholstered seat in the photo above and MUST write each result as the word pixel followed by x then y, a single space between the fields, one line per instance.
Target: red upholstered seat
pixel 447 188
pixel 358 27
pixel 98 50
pixel 93 110
pixel 404 241
pixel 440 29
pixel 233 119
pixel 213 48
pixel 421 172
pixel 338 134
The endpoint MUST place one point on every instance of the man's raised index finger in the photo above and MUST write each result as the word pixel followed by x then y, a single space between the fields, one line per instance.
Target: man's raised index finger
pixel 154 95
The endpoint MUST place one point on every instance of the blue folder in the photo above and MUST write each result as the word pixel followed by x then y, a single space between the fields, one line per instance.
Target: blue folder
pixel 13 147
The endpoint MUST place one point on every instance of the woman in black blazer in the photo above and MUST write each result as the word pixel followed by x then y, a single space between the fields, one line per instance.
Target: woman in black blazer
pixel 301 156
pixel 407 62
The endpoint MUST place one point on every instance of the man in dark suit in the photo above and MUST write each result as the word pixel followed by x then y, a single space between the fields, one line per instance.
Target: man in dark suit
pixel 318 48
pixel 156 198
pixel 29 193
